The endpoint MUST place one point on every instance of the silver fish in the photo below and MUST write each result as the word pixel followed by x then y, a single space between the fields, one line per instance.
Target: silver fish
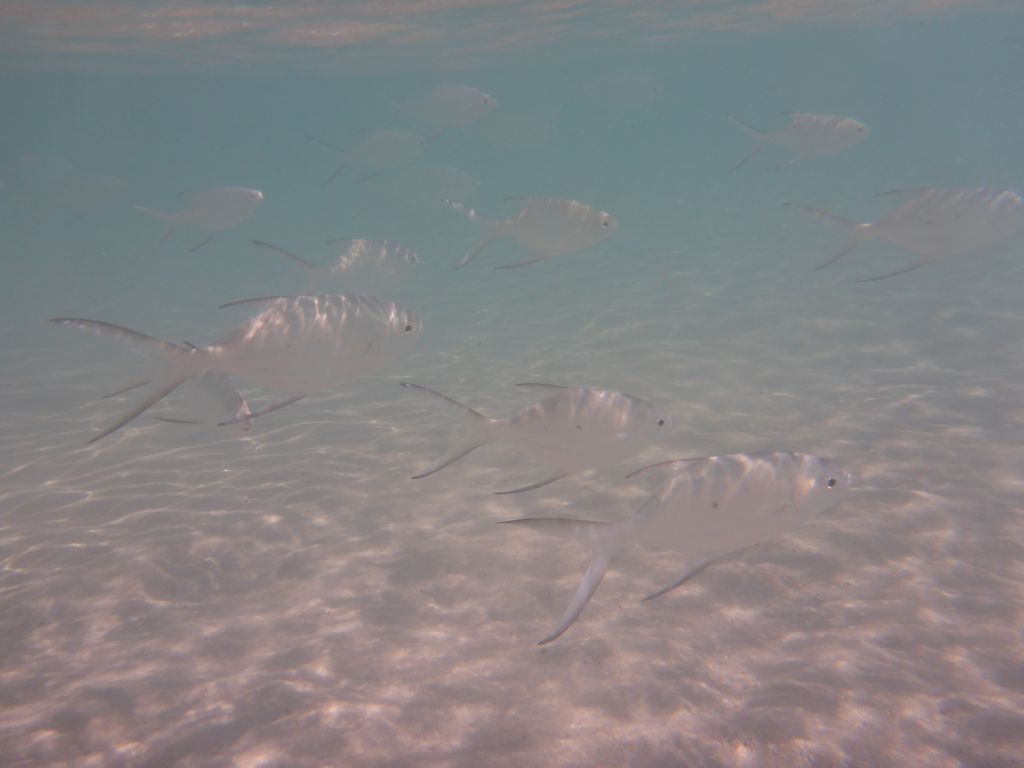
pixel 300 345
pixel 546 226
pixel 375 154
pixel 706 509
pixel 571 430
pixel 453 106
pixel 808 135
pixel 211 209
pixel 371 267
pixel 935 223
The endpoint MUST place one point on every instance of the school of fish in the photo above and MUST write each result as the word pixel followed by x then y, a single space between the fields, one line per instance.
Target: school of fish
pixel 707 508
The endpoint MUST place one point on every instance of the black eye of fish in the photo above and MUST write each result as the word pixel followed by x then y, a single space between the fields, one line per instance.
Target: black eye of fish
pixel 831 482
pixel 409 328
pixel 661 422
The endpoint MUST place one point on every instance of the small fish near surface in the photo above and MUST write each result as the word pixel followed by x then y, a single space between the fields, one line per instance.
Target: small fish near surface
pixel 371 267
pixel 571 430
pixel 935 223
pixel 452 106
pixel 546 226
pixel 807 136
pixel 299 344
pixel 213 210
pixel 707 509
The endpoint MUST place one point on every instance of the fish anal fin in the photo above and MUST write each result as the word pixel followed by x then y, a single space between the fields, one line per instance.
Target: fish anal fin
pixel 911 268
pixel 849 247
pixel 200 244
pixel 687 575
pixel 665 465
pixel 160 391
pixel 591 580
pixel 526 263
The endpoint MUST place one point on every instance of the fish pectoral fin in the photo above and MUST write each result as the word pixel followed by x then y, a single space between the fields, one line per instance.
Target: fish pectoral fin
pixel 246 417
pixel 911 268
pixel 591 580
pixel 534 486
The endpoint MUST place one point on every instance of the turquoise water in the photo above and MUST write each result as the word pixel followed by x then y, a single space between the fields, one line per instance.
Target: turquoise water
pixel 194 595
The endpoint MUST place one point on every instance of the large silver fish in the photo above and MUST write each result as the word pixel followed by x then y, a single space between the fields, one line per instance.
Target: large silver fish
pixel 546 226
pixel 808 135
pixel 706 509
pixel 571 430
pixel 935 223
pixel 300 345
pixel 211 209
pixel 371 267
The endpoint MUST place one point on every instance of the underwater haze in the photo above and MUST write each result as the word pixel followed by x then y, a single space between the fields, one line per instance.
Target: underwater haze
pixel 784 232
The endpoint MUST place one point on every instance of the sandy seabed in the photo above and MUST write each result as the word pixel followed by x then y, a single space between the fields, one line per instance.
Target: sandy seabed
pixel 187 596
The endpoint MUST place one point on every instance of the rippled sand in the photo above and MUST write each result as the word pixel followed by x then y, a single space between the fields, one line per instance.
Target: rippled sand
pixel 183 596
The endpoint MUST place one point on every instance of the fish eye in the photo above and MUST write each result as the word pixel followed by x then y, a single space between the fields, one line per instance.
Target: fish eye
pixel 408 329
pixel 661 422
pixel 831 482
pixel 604 223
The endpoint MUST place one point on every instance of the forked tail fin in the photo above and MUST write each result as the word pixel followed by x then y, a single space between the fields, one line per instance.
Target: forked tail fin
pixel 759 136
pixel 604 539
pixel 474 431
pixel 856 231
pixel 492 227
pixel 174 365
pixel 171 219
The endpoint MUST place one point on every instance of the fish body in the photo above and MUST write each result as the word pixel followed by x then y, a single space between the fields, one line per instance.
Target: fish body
pixel 308 344
pixel 300 345
pixel 706 509
pixel 546 226
pixel 453 106
pixel 371 267
pixel 937 223
pixel 213 210
pixel 809 135
pixel 571 430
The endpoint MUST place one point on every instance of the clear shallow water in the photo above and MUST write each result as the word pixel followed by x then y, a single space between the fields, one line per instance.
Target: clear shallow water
pixel 180 595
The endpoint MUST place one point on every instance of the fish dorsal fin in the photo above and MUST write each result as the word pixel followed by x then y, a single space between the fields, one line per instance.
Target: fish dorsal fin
pixel 338 240
pixel 257 300
pixel 287 254
pixel 542 384
pixel 906 191
pixel 666 464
